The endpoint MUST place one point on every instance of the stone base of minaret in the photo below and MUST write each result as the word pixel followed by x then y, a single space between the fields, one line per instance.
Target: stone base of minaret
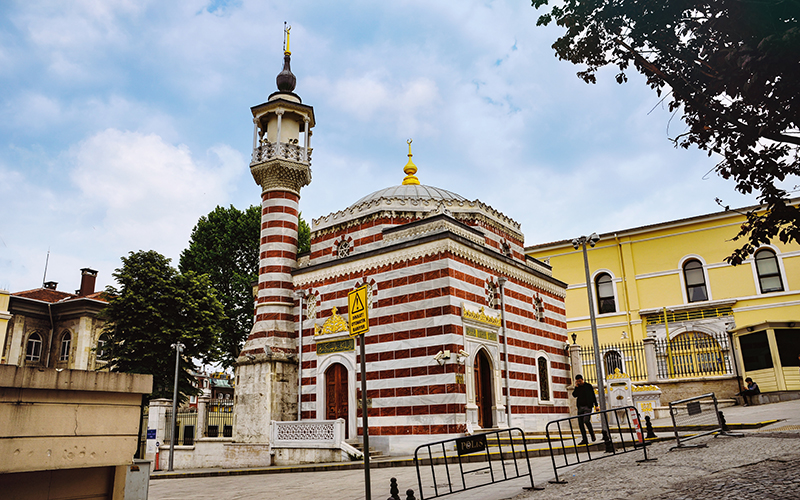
pixel 266 388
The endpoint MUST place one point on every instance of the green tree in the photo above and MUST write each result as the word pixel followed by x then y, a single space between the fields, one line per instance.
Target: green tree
pixel 303 235
pixel 225 245
pixel 153 308
pixel 730 67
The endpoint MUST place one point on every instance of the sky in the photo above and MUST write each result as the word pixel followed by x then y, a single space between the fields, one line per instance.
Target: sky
pixel 123 122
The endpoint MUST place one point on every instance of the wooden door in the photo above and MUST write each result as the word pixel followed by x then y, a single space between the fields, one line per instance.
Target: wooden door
pixel 336 394
pixel 483 390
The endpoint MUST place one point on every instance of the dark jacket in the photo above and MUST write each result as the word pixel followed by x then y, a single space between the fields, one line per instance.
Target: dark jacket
pixel 585 395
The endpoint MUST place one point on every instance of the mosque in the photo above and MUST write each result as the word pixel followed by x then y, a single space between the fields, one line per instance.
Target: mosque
pixel 466 332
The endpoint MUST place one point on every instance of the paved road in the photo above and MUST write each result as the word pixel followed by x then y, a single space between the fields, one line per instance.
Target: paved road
pixel 762 465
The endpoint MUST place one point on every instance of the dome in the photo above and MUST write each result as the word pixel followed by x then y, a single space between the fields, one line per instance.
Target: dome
pixel 411 192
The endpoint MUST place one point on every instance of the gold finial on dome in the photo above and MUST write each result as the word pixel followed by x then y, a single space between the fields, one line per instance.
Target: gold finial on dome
pixel 410 169
pixel 286 30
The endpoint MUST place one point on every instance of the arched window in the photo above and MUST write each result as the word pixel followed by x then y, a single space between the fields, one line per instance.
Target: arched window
pixel 696 290
pixel 102 348
pixel 612 361
pixel 605 293
pixel 33 349
pixel 544 379
pixel 769 274
pixel 66 342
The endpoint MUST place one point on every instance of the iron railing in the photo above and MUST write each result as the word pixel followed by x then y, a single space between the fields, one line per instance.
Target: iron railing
pixel 185 424
pixel 693 354
pixel 627 357
pixel 219 418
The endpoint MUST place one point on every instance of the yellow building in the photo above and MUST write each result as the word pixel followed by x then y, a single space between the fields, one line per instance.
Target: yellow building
pixel 670 282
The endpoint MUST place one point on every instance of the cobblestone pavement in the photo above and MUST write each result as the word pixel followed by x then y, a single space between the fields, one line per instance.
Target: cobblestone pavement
pixel 756 466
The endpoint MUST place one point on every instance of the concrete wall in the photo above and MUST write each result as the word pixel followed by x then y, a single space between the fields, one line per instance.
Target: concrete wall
pixel 68 419
pixel 216 452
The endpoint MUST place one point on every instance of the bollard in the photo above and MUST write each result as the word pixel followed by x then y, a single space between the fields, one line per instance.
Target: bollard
pixel 393 490
pixel 722 421
pixel 410 495
pixel 649 426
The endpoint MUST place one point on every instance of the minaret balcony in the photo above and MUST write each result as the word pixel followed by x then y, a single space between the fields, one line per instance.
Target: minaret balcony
pixel 266 151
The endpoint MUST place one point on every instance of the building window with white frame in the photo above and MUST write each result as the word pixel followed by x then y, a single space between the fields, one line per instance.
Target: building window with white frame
pixel 33 348
pixel 605 293
pixel 544 379
pixel 695 279
pixel 769 273
pixel 66 343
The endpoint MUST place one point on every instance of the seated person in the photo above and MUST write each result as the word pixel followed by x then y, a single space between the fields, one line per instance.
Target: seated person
pixel 752 390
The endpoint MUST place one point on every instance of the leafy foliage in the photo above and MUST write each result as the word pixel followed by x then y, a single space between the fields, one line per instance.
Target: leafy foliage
pixel 303 235
pixel 731 67
pixel 153 308
pixel 225 246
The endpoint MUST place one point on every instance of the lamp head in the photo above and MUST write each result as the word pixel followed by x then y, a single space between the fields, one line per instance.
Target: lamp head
pixel 593 239
pixel 575 243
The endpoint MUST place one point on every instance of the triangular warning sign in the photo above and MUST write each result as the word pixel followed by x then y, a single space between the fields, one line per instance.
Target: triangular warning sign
pixel 358 306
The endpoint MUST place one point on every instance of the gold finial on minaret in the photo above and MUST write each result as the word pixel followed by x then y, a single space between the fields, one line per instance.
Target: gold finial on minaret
pixel 410 169
pixel 286 30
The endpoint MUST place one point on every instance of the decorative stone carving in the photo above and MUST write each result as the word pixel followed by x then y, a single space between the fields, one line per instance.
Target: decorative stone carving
pixel 281 174
pixel 334 324
pixel 480 316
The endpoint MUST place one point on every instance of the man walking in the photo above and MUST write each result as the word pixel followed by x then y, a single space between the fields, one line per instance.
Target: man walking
pixel 586 400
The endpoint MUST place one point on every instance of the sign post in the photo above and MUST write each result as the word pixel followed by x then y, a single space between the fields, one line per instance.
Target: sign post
pixel 359 325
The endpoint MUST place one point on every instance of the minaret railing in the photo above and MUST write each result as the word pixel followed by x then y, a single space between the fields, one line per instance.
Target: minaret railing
pixel 288 151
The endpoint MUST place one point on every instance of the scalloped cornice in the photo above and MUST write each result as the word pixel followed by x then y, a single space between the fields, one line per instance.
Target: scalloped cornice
pixel 434 227
pixel 426 249
pixel 396 205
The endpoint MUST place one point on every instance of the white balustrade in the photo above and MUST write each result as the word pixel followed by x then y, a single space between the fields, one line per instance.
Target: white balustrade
pixel 266 151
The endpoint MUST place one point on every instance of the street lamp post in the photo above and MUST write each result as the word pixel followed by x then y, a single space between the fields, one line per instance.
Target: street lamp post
pixel 173 434
pixel 581 243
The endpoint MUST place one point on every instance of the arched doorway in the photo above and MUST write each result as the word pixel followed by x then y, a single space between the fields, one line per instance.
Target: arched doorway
pixel 483 389
pixel 336 394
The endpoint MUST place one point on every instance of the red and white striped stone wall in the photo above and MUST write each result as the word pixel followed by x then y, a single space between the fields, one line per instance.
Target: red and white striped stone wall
pixel 417 311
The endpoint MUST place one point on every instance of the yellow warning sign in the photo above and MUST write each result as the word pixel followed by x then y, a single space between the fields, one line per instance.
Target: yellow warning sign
pixel 357 311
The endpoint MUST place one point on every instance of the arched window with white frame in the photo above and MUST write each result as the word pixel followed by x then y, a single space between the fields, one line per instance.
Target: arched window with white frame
pixel 65 346
pixel 544 378
pixel 695 281
pixel 604 287
pixel 768 271
pixel 33 348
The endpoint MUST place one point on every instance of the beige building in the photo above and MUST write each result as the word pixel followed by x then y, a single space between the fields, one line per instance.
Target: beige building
pixel 53 329
pixel 70 434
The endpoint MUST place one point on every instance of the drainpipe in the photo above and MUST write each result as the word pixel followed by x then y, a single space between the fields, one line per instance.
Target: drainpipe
pixel 300 294
pixel 624 286
pixel 501 281
pixel 49 342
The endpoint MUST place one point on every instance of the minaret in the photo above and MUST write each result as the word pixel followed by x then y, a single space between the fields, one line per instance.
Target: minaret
pixel 266 370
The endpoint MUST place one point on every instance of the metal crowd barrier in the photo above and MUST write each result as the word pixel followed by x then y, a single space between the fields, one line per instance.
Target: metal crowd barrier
pixel 481 461
pixel 690 420
pixel 627 426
